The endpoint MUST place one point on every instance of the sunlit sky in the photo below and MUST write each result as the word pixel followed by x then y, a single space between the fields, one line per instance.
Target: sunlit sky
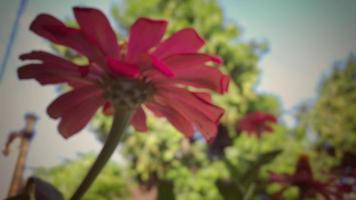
pixel 306 37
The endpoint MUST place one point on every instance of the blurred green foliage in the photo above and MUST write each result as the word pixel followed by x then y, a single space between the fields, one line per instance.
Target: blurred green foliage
pixel 334 113
pixel 237 167
pixel 328 124
pixel 67 176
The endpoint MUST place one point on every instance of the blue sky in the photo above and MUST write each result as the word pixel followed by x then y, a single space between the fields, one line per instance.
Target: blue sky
pixel 306 37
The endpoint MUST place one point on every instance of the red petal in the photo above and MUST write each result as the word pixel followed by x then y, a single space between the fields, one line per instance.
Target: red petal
pixel 207 127
pixel 182 61
pixel 193 102
pixel 247 126
pixel 203 96
pixel 46 57
pixel 184 41
pixel 139 120
pixel 72 99
pixel 144 34
pixel 200 77
pixel 47 75
pixel 192 69
pixel 45 79
pixel 77 84
pixel 34 70
pixel 256 122
pixel 122 68
pixel 55 69
pixel 175 118
pixel 224 83
pixel 190 60
pixel 280 178
pixel 162 67
pixel 54 30
pixel 270 118
pixel 78 117
pixel 55 61
pixel 95 25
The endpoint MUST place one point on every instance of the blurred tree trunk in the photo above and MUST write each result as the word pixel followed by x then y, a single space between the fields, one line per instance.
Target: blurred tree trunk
pixel 17 178
pixel 25 136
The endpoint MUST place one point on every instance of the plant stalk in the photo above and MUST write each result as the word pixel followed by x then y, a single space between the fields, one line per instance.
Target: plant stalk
pixel 119 124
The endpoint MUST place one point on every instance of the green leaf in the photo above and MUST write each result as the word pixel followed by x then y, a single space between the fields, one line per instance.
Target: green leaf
pixel 251 173
pixel 229 190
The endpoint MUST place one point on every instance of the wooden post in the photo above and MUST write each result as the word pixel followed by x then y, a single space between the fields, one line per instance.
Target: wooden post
pixel 25 136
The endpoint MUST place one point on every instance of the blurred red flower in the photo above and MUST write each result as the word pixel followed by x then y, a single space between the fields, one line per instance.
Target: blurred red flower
pixel 145 71
pixel 257 123
pixel 303 179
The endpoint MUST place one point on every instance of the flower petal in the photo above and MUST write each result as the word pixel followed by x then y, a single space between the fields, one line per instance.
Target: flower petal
pixel 206 127
pixel 203 96
pixel 72 99
pixel 55 69
pixel 193 102
pixel 46 57
pixel 184 41
pixel 78 117
pixel 33 70
pixel 204 77
pixel 257 122
pixel 224 83
pixel 270 118
pixel 175 118
pixel 139 120
pixel 162 67
pixel 95 25
pixel 121 68
pixel 280 178
pixel 190 60
pixel 55 61
pixel 144 34
pixel 200 77
pixel 54 30
pixel 47 75
pixel 192 69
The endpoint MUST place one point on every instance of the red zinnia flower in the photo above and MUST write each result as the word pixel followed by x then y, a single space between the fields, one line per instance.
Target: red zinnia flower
pixel 304 180
pixel 257 123
pixel 145 72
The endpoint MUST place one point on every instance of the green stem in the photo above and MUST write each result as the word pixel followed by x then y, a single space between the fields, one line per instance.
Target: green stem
pixel 259 146
pixel 119 124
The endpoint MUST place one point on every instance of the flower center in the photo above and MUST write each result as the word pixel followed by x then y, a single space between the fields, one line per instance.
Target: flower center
pixel 127 93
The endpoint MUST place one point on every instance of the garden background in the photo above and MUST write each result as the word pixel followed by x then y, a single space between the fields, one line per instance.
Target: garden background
pixel 278 54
